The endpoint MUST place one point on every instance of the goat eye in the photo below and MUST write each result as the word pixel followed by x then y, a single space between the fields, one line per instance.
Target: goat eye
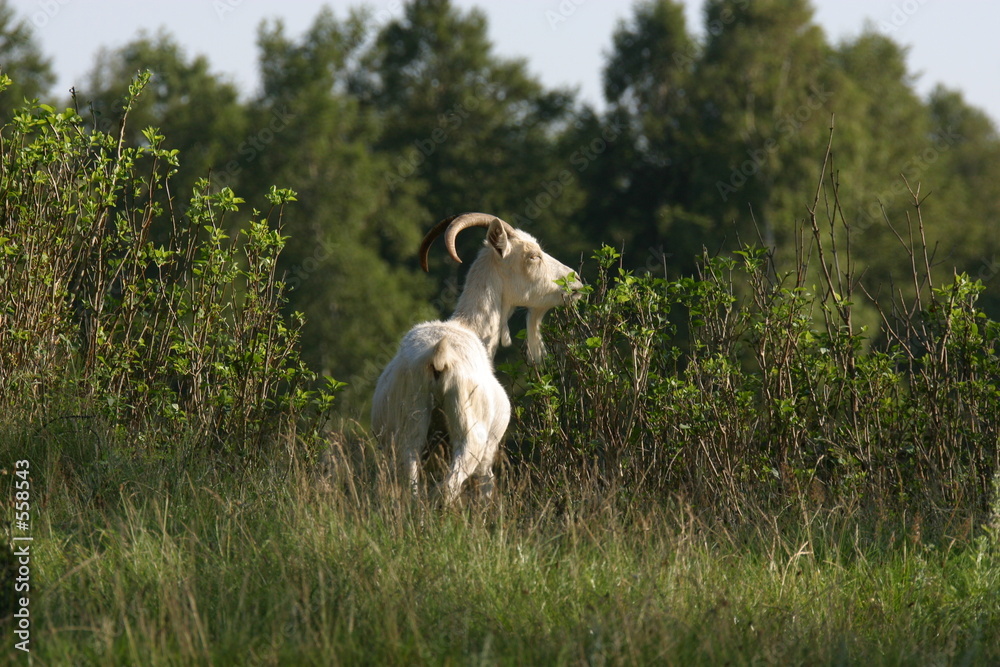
pixel 534 258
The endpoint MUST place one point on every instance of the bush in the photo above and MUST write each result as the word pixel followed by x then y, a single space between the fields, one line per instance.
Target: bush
pixel 155 315
pixel 774 389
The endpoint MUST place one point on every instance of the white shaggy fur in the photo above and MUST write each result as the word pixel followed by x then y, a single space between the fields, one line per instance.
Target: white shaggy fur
pixel 449 365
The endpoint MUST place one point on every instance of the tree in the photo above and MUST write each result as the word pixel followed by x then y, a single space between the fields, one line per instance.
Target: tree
pixel 476 130
pixel 648 73
pixel 350 259
pixel 22 60
pixel 199 112
pixel 962 155
pixel 763 99
pixel 886 133
pixel 639 190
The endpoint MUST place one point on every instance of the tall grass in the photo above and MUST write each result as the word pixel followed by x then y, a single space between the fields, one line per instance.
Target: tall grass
pixel 159 562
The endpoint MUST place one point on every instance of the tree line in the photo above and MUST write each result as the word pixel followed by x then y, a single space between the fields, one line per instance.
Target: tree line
pixel 709 140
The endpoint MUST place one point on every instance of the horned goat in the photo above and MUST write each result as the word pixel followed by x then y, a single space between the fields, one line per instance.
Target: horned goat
pixel 449 364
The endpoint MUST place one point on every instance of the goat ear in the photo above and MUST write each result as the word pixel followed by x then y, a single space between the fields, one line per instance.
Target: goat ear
pixel 497 237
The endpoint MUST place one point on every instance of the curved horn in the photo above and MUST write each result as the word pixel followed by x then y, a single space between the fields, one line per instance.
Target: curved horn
pixel 451 227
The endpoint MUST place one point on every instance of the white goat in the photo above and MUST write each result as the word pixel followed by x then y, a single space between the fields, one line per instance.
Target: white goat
pixel 449 364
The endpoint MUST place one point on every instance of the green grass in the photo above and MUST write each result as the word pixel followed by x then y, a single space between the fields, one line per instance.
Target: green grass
pixel 157 560
pixel 772 485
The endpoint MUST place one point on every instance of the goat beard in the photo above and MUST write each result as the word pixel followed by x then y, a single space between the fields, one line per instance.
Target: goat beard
pixel 536 347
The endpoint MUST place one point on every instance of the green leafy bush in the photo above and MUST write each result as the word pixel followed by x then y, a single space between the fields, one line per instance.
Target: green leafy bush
pixel 776 389
pixel 153 313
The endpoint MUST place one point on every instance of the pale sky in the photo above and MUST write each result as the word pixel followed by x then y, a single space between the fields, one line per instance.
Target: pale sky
pixel 565 42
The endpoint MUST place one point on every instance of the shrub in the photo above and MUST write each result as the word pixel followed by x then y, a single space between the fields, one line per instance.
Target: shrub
pixel 157 315
pixel 774 389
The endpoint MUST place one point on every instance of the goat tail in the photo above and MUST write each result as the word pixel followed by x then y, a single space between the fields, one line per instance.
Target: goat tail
pixel 444 358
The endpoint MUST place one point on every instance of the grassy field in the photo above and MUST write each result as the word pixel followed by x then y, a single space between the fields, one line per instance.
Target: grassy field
pixel 166 560
pixel 727 468
pixel 159 446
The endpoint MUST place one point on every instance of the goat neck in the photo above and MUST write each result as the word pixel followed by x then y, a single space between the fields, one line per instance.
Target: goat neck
pixel 481 306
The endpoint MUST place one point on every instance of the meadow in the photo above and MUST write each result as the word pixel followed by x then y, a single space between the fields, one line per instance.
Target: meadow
pixel 748 465
pixel 165 561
